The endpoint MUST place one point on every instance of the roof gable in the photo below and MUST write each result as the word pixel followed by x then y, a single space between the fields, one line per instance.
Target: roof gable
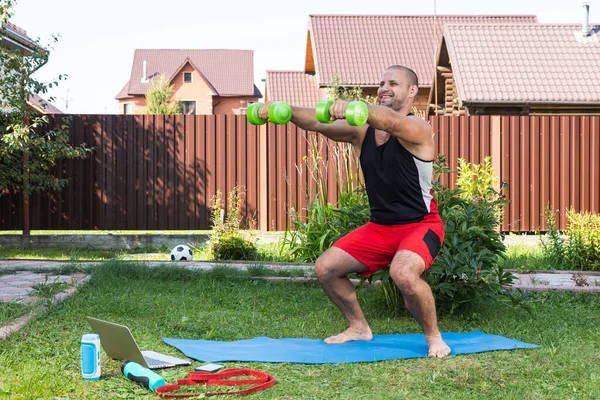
pixel 515 63
pixel 186 62
pixel 360 47
pixel 229 72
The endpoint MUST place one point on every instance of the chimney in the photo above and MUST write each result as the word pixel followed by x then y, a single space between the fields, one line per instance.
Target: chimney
pixel 144 74
pixel 586 22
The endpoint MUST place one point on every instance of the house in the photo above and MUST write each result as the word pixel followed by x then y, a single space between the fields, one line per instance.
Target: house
pixel 15 39
pixel 42 106
pixel 517 69
pixel 358 48
pixel 205 81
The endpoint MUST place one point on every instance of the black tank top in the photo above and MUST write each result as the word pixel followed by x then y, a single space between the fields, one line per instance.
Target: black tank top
pixel 398 183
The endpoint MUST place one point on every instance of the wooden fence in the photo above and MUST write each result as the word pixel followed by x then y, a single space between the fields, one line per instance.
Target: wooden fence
pixel 160 172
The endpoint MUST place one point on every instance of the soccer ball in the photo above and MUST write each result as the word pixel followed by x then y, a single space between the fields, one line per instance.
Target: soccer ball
pixel 181 252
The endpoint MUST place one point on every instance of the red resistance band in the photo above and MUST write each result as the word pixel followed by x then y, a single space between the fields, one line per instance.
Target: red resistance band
pixel 263 381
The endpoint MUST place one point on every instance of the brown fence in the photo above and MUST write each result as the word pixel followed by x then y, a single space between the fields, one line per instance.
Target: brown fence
pixel 160 172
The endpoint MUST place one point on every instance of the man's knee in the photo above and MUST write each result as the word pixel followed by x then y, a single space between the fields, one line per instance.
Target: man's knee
pixel 336 263
pixel 324 266
pixel 406 271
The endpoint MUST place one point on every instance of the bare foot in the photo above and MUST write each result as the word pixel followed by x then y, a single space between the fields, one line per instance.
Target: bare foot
pixel 350 335
pixel 437 346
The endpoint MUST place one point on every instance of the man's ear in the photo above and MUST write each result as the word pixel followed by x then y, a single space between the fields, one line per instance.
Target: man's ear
pixel 414 89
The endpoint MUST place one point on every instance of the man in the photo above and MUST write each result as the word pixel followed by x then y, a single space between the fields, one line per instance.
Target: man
pixel 405 231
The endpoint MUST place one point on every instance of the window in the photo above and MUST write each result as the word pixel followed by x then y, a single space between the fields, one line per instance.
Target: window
pixel 127 108
pixel 187 76
pixel 188 107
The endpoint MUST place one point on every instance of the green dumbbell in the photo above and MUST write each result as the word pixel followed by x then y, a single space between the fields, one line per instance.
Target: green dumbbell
pixel 252 114
pixel 357 112
pixel 280 113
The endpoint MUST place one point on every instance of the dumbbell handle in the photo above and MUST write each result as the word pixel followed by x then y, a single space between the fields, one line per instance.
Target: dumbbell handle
pixel 280 113
pixel 357 112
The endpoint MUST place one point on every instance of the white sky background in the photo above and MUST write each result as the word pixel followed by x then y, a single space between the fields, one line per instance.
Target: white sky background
pixel 98 38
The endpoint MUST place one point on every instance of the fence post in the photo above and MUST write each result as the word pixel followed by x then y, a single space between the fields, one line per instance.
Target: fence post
pixel 496 148
pixel 262 184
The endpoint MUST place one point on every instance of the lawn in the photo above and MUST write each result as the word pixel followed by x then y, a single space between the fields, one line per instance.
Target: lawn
pixel 523 258
pixel 42 361
pixel 11 310
pixel 266 252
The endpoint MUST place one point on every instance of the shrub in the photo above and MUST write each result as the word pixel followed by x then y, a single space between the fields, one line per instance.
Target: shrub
pixel 226 241
pixel 467 268
pixel 580 249
pixel 159 99
pixel 325 223
pixel 552 242
pixel 232 246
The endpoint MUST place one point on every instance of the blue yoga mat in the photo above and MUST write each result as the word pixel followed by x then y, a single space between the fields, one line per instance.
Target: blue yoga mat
pixel 312 351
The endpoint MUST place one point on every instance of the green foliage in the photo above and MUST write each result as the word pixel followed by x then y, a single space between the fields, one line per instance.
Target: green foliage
pixel 324 223
pixel 552 242
pixel 226 241
pixel 232 246
pixel 28 150
pixel 467 268
pixel 159 99
pixel 581 248
pixel 478 183
pixel 338 90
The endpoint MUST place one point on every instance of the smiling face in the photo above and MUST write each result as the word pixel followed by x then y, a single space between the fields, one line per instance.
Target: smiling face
pixel 396 89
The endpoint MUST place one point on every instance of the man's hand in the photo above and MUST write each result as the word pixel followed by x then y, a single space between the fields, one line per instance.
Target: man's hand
pixel 338 110
pixel 263 111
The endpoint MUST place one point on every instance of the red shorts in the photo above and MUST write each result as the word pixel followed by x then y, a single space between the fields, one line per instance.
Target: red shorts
pixel 376 245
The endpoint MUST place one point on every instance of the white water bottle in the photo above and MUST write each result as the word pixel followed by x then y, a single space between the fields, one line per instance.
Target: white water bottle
pixel 90 357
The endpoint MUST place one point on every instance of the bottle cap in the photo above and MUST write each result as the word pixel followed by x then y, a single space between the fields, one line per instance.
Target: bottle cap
pixel 90 336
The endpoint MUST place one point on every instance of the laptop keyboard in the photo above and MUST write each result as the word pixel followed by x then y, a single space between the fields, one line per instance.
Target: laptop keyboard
pixel 153 362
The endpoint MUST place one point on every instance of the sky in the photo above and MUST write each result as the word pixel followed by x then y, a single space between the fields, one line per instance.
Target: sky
pixel 97 39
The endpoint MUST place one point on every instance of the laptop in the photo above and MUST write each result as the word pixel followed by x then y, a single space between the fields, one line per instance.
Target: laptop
pixel 118 343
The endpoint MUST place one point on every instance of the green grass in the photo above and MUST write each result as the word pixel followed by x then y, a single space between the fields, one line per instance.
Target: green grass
pixel 526 258
pixel 10 311
pixel 523 258
pixel 42 361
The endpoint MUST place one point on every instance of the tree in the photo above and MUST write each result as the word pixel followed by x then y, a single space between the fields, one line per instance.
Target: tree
pixel 29 149
pixel 159 98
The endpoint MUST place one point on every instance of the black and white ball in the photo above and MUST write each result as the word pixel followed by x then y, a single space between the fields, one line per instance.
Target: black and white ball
pixel 181 252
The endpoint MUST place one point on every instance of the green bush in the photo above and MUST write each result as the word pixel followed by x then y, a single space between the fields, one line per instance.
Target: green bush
pixel 552 242
pixel 232 246
pixel 325 224
pixel 467 269
pixel 226 241
pixel 580 249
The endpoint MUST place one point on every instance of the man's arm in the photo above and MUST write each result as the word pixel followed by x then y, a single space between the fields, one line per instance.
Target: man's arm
pixel 408 128
pixel 306 118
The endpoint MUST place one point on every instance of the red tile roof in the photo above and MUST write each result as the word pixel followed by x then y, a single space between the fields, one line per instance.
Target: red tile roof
pixel 230 72
pixel 360 47
pixel 524 63
pixel 295 87
pixel 42 105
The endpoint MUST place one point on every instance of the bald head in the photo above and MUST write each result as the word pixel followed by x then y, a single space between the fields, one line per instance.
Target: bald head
pixel 410 74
